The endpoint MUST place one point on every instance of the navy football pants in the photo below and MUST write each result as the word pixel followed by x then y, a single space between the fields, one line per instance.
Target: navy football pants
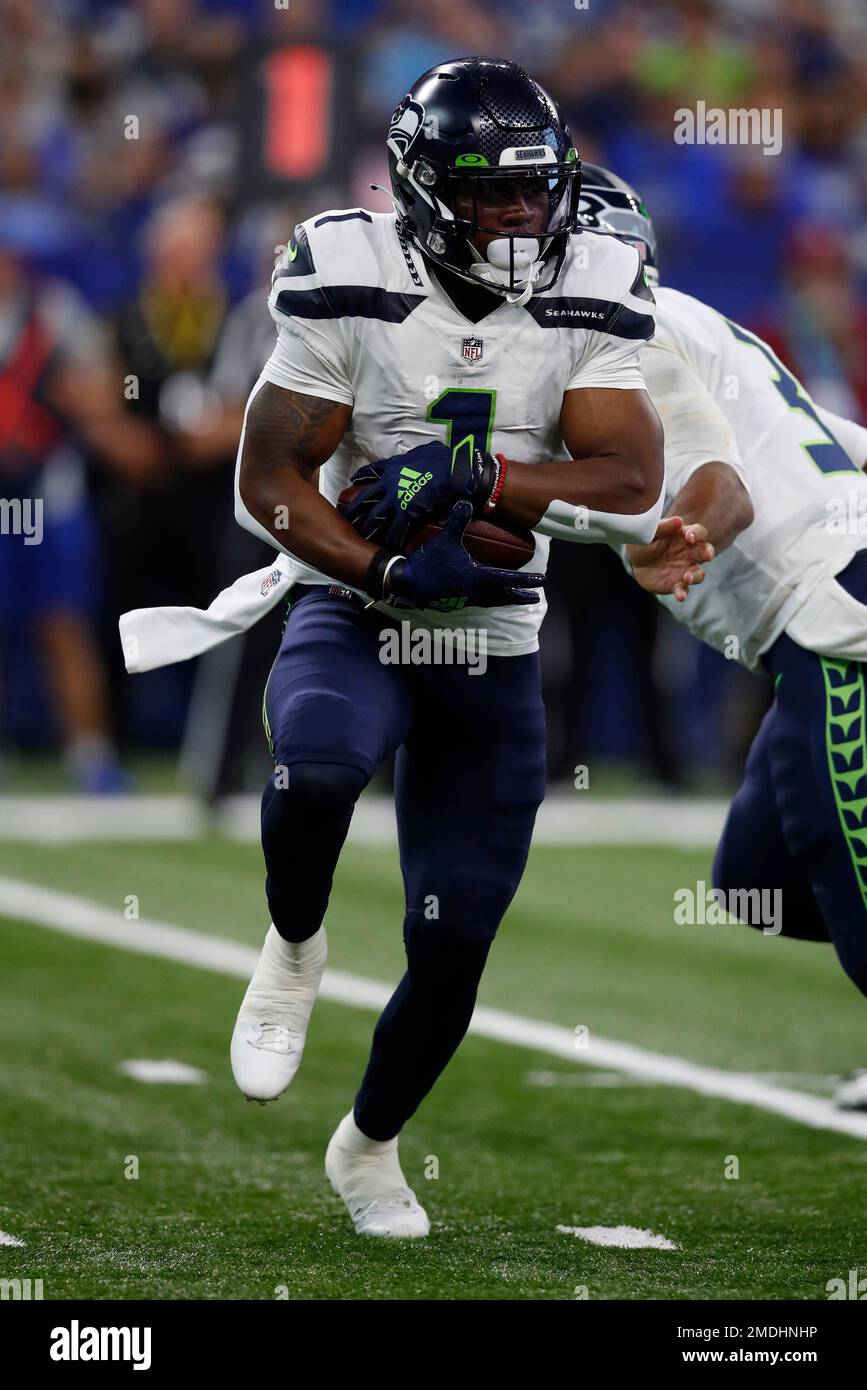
pixel 799 822
pixel 470 773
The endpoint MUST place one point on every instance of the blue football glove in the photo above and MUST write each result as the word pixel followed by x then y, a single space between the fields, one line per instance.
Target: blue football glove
pixel 443 575
pixel 421 485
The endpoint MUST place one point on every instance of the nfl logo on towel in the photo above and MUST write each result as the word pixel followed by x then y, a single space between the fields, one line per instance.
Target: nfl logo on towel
pixel 273 579
pixel 472 349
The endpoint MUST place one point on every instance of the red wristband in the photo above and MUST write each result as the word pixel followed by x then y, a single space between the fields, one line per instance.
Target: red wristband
pixel 498 485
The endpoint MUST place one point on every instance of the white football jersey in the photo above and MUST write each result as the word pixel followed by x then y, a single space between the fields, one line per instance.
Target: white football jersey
pixel 361 321
pixel 723 394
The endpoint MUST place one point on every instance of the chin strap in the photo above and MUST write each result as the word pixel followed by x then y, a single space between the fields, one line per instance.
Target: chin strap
pixel 517 297
pixel 489 272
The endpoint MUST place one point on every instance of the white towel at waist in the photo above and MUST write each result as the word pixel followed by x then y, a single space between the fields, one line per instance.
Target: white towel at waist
pixel 154 637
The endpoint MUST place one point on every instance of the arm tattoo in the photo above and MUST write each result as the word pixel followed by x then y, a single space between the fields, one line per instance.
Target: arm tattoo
pixel 282 424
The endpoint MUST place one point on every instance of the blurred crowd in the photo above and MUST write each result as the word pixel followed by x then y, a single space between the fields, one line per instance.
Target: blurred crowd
pixel 153 155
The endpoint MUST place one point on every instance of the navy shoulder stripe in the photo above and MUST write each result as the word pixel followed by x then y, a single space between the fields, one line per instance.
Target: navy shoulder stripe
pixel 349 301
pixel 597 315
pixel 629 324
pixel 343 217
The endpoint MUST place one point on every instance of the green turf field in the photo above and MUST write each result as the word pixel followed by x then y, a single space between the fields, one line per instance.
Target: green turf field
pixel 230 1199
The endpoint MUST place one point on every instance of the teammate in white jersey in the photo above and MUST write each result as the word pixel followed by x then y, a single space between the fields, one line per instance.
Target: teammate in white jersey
pixel 468 341
pixel 777 485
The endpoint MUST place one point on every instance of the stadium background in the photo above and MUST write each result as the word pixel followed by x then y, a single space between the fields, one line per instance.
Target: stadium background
pixel 129 924
pixel 153 155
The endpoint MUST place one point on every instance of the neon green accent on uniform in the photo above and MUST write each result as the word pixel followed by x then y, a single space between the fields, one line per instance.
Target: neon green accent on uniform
pixel 265 723
pixel 465 160
pixel 779 678
pixel 572 154
pixel 468 441
pixel 447 605
pixel 291 252
pixel 845 709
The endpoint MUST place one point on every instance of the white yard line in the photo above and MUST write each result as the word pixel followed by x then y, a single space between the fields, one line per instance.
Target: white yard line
pixel 79 917
pixel 70 819
pixel 577 819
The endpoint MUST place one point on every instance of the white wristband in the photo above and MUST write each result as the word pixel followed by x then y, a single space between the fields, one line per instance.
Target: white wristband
pixel 384 577
pixel 566 522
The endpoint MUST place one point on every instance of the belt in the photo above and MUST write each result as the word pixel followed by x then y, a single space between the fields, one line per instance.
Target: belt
pixel 299 591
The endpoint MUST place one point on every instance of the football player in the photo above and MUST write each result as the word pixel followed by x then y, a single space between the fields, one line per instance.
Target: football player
pixel 776 484
pixel 449 354
pixel 451 337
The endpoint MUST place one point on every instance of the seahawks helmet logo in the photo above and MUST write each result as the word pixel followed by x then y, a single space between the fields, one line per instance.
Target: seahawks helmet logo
pixel 406 122
pixel 590 207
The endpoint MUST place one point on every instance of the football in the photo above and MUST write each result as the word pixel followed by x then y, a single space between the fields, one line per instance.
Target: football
pixel 499 546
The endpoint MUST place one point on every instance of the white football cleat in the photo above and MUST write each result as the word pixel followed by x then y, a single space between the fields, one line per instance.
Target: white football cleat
pixel 268 1040
pixel 367 1174
pixel 852 1092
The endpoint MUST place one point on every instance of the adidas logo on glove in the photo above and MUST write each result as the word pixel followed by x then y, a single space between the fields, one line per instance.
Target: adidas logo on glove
pixel 409 484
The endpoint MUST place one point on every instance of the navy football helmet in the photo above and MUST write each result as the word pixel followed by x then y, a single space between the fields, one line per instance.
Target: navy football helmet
pixel 484 175
pixel 608 204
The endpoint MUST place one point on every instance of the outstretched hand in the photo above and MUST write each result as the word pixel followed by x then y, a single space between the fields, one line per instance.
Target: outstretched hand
pixel 672 562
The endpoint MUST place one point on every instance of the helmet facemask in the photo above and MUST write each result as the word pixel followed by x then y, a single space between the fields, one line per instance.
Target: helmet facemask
pixel 505 228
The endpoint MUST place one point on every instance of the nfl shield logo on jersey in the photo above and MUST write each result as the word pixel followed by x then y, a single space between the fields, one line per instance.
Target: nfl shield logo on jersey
pixel 472 349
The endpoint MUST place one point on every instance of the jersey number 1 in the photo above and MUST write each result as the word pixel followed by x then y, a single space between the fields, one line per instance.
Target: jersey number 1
pixel 465 412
